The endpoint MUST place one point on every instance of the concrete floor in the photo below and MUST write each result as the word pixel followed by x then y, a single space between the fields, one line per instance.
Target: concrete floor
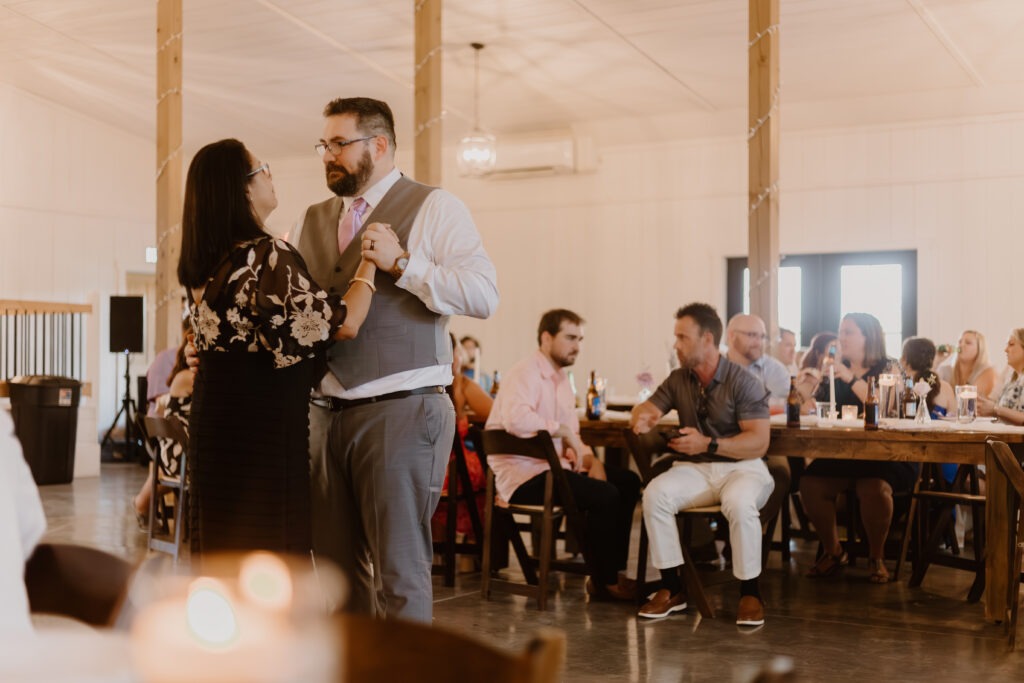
pixel 843 629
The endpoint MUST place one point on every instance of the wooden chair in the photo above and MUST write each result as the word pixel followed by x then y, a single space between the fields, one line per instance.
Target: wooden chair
pixel 499 521
pixel 1010 466
pixel 645 450
pixel 393 650
pixel 77 581
pixel 164 482
pixel 460 490
pixel 931 521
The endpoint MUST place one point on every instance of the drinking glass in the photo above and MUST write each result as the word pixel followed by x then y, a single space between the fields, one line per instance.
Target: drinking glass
pixel 966 403
pixel 822 409
pixel 886 381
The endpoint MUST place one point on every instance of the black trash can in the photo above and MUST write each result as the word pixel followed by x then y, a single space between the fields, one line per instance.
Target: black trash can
pixel 45 412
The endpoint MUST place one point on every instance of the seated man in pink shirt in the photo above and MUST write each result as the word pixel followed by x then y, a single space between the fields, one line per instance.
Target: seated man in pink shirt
pixel 535 395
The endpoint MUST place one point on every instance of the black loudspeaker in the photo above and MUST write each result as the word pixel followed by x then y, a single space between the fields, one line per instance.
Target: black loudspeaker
pixel 126 324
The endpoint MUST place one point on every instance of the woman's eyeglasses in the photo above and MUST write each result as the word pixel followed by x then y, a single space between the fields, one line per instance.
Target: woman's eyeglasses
pixel 265 167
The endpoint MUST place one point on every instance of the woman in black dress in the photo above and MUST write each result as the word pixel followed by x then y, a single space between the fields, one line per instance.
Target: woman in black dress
pixel 260 322
pixel 860 357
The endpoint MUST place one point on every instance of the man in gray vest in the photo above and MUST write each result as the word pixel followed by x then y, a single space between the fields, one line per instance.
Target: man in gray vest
pixel 381 425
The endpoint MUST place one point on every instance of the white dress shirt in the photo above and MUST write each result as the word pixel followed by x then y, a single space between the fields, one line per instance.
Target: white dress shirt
pixel 22 524
pixel 448 270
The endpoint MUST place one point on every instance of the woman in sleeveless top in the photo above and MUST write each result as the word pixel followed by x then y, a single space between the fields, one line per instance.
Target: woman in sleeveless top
pixel 971 365
pixel 260 324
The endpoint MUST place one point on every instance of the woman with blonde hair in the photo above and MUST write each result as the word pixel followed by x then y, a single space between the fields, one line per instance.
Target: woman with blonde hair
pixel 1010 406
pixel 972 365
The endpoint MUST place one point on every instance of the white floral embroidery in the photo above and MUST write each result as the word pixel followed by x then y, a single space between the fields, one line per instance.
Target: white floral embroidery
pixel 207 324
pixel 309 327
pixel 243 326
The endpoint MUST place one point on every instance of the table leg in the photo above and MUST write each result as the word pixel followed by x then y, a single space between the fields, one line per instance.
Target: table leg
pixel 997 528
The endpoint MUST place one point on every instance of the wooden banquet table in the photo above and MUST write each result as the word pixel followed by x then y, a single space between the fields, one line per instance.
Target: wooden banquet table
pixel 939 443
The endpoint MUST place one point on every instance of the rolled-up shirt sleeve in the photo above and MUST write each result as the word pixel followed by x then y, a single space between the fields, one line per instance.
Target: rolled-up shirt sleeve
pixel 449 270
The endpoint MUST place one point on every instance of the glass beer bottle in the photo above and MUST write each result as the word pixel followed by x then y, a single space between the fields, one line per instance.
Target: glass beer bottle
pixel 871 407
pixel 593 398
pixel 909 400
pixel 495 384
pixel 793 405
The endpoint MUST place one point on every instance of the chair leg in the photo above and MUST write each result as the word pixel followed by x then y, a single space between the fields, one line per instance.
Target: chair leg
pixel 641 566
pixel 1013 597
pixel 546 541
pixel 485 579
pixel 907 530
pixel 978 587
pixel 787 531
pixel 694 587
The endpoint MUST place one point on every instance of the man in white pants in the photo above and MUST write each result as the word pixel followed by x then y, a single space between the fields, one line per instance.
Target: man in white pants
pixel 723 418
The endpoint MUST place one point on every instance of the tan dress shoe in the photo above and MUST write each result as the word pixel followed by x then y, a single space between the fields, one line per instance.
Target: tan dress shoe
pixel 750 612
pixel 663 604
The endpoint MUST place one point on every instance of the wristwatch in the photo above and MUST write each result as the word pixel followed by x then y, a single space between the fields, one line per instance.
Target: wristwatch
pixel 713 446
pixel 401 263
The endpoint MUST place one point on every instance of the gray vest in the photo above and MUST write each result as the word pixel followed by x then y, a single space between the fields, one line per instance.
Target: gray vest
pixel 400 333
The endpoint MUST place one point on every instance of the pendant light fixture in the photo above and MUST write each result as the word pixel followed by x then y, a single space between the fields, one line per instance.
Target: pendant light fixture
pixel 477 152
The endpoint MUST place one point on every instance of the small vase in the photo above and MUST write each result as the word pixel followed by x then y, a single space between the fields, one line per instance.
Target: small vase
pixel 923 416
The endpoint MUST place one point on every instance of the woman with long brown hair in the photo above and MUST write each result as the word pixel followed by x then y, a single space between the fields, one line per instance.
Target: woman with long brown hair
pixel 860 358
pixel 260 321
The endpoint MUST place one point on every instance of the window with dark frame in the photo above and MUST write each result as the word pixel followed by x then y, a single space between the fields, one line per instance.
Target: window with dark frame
pixel 830 285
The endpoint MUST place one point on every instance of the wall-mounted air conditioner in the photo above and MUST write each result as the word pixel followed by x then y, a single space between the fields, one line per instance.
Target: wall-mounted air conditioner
pixel 543 154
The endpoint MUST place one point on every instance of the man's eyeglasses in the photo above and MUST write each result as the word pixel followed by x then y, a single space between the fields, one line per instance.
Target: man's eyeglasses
pixel 335 147
pixel 265 167
pixel 753 335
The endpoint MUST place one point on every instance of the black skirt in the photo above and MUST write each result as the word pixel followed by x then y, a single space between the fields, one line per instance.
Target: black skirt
pixel 249 454
pixel 900 475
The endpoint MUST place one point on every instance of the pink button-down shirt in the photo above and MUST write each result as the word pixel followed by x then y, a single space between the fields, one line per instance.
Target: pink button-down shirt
pixel 534 396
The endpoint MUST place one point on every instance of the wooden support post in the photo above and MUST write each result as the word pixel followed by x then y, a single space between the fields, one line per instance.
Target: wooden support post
pixel 168 170
pixel 428 91
pixel 763 162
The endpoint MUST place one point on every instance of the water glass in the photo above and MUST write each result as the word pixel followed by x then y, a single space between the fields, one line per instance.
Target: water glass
pixel 849 412
pixel 966 403
pixel 822 409
pixel 886 381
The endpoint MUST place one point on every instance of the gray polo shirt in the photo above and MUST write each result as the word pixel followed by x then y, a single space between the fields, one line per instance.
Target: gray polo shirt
pixel 733 395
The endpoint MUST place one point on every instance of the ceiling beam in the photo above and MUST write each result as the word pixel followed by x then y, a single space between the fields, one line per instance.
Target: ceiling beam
pixel 951 47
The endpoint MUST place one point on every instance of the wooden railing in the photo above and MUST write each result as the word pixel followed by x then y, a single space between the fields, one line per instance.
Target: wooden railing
pixel 42 338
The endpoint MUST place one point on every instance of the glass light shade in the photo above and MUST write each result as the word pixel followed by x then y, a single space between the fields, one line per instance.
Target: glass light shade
pixel 477 154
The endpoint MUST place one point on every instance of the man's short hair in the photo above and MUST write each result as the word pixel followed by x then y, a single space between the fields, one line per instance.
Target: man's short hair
pixel 551 322
pixel 373 117
pixel 469 338
pixel 706 318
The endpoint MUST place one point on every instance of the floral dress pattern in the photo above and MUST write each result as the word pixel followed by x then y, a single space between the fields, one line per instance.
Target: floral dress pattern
pixel 273 306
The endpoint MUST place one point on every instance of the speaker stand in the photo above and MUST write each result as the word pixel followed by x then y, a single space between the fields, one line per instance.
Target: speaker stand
pixel 128 408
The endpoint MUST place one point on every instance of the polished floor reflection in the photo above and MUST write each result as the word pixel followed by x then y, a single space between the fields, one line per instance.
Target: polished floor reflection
pixel 843 629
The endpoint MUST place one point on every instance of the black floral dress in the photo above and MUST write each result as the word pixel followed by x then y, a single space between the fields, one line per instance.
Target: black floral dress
pixel 260 325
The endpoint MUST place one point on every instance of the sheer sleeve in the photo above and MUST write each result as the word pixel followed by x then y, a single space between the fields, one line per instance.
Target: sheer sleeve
pixel 295 317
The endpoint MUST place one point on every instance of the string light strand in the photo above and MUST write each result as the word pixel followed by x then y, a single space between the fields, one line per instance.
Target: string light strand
pixel 427 58
pixel 163 46
pixel 763 195
pixel 163 164
pixel 771 30
pixel 430 123
pixel 764 119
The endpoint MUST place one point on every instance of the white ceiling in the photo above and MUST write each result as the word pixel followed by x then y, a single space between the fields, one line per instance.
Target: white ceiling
pixel 261 70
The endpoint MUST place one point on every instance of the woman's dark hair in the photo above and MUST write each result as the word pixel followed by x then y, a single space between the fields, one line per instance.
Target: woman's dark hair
pixel 874 338
pixel 217 213
pixel 919 354
pixel 816 353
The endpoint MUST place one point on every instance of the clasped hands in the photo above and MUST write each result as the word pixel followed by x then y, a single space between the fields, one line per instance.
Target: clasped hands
pixel 381 245
pixel 689 441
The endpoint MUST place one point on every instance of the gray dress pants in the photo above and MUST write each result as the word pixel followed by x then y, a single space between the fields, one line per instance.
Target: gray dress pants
pixel 375 488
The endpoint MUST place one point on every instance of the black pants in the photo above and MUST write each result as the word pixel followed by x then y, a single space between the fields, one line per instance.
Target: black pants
pixel 608 507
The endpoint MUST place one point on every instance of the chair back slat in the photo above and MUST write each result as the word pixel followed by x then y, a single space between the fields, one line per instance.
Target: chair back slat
pixel 167 428
pixel 1009 464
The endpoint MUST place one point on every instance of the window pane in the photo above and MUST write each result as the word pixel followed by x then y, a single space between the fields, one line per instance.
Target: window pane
pixel 790 297
pixel 877 290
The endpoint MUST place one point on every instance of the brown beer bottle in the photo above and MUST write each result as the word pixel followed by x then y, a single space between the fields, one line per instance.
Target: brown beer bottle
pixel 495 384
pixel 871 407
pixel 909 400
pixel 593 399
pixel 793 405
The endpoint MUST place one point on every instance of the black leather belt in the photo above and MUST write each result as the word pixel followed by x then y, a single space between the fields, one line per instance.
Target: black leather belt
pixel 336 404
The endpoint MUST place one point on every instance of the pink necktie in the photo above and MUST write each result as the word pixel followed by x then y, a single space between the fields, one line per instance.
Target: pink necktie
pixel 350 224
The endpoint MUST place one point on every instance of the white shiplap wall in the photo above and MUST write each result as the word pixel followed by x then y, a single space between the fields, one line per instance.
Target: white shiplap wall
pixel 76 213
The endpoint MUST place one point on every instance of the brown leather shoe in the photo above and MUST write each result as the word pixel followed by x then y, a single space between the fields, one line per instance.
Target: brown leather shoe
pixel 624 589
pixel 663 604
pixel 750 612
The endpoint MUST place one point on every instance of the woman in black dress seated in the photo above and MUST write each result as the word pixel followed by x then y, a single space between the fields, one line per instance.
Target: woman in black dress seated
pixel 260 321
pixel 860 356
